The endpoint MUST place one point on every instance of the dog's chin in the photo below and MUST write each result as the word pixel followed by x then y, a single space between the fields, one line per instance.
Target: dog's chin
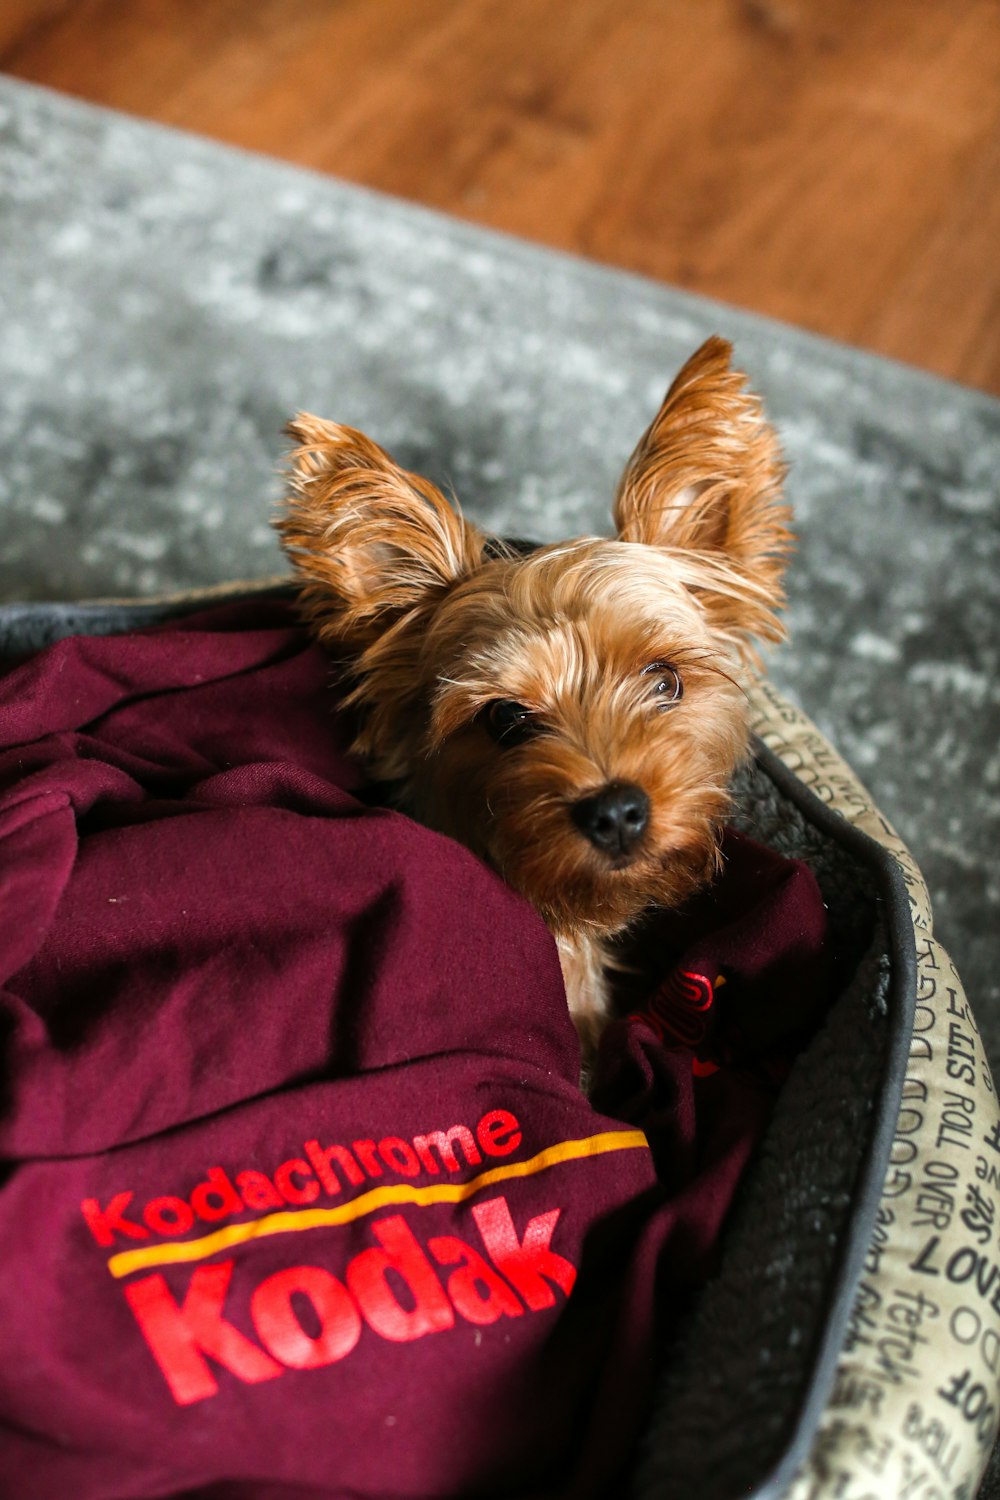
pixel 602 895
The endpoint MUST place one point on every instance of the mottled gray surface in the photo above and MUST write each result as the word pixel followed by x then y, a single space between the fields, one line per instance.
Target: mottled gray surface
pixel 167 303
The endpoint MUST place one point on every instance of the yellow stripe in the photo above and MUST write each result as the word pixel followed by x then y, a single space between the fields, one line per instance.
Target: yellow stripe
pixel 128 1261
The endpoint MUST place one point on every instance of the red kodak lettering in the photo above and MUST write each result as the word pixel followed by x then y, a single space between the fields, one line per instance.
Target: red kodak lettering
pixel 292 1191
pixel 443 1142
pixel 216 1198
pixel 105 1223
pixel 479 1294
pixel 301 1179
pixel 258 1190
pixel 400 1256
pixel 529 1264
pixel 280 1330
pixel 169 1215
pixel 499 1132
pixel 306 1318
pixel 180 1336
pixel 365 1151
pixel 399 1156
pixel 321 1157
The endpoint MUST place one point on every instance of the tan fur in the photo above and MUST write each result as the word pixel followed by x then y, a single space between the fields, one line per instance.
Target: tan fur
pixel 433 631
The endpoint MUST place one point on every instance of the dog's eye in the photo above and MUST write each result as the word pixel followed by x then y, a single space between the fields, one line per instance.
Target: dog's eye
pixel 667 687
pixel 509 723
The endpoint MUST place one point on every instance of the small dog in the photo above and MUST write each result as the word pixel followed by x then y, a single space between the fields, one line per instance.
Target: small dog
pixel 574 715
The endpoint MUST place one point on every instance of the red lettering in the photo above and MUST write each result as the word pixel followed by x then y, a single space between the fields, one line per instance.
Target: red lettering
pixel 442 1141
pixel 258 1191
pixel 306 1318
pixel 399 1155
pixel 321 1157
pixel 168 1215
pixel 365 1152
pixel 401 1258
pixel 105 1223
pixel 529 1264
pixel 180 1336
pixel 478 1293
pixel 280 1330
pixel 290 1191
pixel 499 1132
pixel 216 1198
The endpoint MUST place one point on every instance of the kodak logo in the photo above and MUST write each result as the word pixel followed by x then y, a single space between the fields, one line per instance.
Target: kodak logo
pixel 444 1280
pixel 322 1171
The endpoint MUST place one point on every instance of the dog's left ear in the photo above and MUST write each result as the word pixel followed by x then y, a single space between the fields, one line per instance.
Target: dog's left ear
pixel 706 479
pixel 372 541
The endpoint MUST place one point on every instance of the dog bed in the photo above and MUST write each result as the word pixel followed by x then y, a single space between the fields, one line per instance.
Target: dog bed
pixel 848 1344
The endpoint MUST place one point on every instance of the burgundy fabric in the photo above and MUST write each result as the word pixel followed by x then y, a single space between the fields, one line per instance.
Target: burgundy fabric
pixel 743 971
pixel 237 1002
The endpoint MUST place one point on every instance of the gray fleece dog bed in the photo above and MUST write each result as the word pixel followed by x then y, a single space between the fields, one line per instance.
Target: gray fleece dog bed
pixel 847 1348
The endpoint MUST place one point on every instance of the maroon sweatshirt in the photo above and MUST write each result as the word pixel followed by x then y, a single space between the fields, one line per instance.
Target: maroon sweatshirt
pixel 298 1193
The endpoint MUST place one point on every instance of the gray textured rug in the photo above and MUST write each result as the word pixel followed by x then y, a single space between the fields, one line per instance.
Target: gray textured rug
pixel 168 302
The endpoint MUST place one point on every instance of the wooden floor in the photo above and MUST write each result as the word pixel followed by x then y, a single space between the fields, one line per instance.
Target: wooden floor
pixel 836 165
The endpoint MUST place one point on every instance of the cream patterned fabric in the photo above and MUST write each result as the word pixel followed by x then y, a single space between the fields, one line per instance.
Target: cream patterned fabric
pixel 914 1409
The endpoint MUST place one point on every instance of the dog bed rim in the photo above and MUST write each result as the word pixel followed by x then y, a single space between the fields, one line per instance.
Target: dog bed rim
pixel 72 618
pixel 867 1192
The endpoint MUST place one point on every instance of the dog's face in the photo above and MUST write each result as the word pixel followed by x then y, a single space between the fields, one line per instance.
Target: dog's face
pixel 578 730
pixel 573 716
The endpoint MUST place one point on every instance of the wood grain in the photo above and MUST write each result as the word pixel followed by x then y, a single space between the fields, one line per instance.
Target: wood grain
pixel 834 165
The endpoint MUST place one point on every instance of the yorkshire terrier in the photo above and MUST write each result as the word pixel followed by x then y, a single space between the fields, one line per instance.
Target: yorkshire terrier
pixel 573 715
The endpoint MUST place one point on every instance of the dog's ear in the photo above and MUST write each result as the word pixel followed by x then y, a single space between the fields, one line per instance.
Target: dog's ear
pixel 371 541
pixel 706 478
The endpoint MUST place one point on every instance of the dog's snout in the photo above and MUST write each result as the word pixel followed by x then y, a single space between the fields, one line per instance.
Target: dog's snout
pixel 613 819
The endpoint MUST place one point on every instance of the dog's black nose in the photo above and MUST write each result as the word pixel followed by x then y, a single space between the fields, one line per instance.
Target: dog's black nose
pixel 613 819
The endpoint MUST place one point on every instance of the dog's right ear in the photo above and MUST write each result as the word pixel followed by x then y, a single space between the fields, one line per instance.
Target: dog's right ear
pixel 371 541
pixel 706 481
